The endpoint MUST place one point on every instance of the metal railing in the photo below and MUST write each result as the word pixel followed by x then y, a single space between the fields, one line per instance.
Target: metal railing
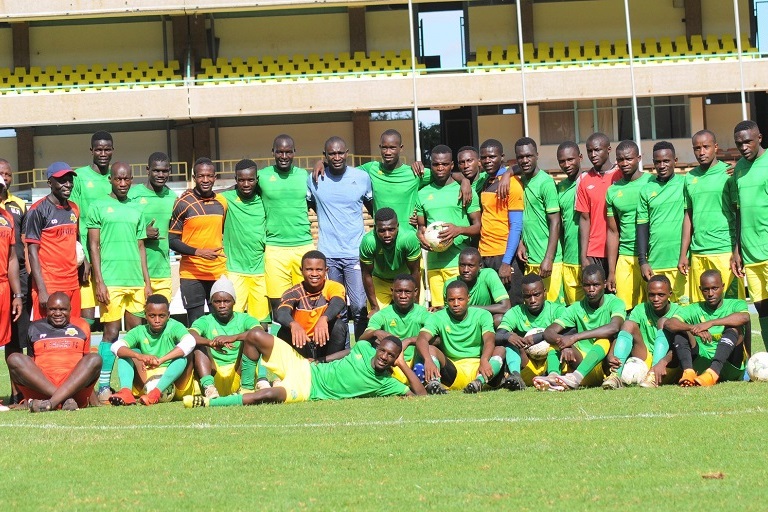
pixel 226 168
pixel 36 177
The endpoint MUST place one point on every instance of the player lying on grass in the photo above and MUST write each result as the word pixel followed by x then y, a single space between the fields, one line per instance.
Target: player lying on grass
pixel 709 335
pixel 218 336
pixel 63 371
pixel 536 312
pixel 403 318
pixel 365 371
pixel 159 347
pixel 641 336
pixel 486 291
pixel 597 319
pixel 466 356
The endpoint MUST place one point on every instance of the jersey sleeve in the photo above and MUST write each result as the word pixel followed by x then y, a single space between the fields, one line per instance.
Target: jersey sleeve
pixel 496 287
pixel 376 322
pixel 133 337
pixel 738 306
pixel 687 314
pixel 392 387
pixel 178 331
pixel 557 309
pixel 33 225
pixel 420 207
pixel 485 321
pixel 549 197
pixel 686 195
pixel 432 325
pixel 474 204
pixel 93 221
pixel 412 247
pixel 177 216
pixel 637 314
pixel 582 199
pixel 609 202
pixel 333 289
pixel 567 318
pixel 367 249
pixel 642 208
pixel 509 320
pixel 732 191
pixel 368 194
pixel 617 307
pixel 200 326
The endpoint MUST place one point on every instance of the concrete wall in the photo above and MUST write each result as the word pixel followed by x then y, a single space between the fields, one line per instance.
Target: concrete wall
pixel 405 127
pixel 717 17
pixel 8 151
pixel 387 30
pixel 504 128
pixel 6 50
pixel 721 119
pixel 492 25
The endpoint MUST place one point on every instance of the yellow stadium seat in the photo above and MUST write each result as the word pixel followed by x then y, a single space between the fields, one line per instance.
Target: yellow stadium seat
pixel 343 56
pixel 605 49
pixel 50 70
pixel 713 44
pixel 313 57
pixel 358 56
pixel 513 54
pixel 374 55
pixel 637 48
pixel 574 51
pixel 729 44
pixel 620 49
pixel 206 63
pixel 590 50
pixel 681 45
pixel 542 52
pixel 558 51
pixel 651 47
pixel 221 62
pixel 482 55
pixel 528 52
pixel 665 47
pixel 697 44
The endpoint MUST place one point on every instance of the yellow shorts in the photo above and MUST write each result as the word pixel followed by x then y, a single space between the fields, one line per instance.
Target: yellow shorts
pixel 553 284
pixel 398 373
pixel 87 296
pixel 162 287
pixel 629 281
pixel 292 369
pixel 437 279
pixel 226 379
pixel 597 375
pixel 251 292
pixel 282 268
pixel 466 371
pixel 534 368
pixel 680 290
pixel 572 290
pixel 383 291
pixel 734 287
pixel 186 389
pixel 757 280
pixel 122 299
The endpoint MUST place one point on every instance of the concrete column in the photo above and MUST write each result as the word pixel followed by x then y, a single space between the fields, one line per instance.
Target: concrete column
pixel 361 130
pixel 25 155
pixel 693 22
pixel 357 35
pixel 526 20
pixel 20 35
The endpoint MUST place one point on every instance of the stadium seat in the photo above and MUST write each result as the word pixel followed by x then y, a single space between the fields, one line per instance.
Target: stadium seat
pixel 697 45
pixel 681 45
pixel 590 51
pixel 574 51
pixel 713 44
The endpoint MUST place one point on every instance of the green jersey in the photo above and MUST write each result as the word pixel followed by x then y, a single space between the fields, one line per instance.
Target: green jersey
pixel 402 325
pixel 244 233
pixel 353 377
pixel 751 198
pixel 461 339
pixel 621 201
pixel 285 203
pixel 662 207
pixel 584 318
pixel 157 207
pixel 520 320
pixel 120 228
pixel 142 339
pixel 647 320
pixel 700 312
pixel 539 200
pixel 208 326
pixel 388 262
pixel 88 186
pixel 709 200
pixel 442 203
pixel 397 189
pixel 569 231
pixel 479 183
pixel 488 288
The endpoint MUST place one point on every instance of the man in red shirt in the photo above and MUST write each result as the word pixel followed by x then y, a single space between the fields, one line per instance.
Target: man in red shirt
pixel 590 201
pixel 63 371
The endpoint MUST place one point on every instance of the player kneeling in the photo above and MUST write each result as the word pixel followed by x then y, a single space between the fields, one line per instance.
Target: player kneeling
pixel 63 371
pixel 364 371
pixel 159 348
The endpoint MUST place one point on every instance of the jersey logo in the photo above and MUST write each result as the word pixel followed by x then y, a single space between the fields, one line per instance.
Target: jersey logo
pixel 653 194
pixel 3 222
pixel 702 319
pixel 694 181
pixel 447 329
pixel 381 172
pixel 358 356
pixel 620 194
pixel 215 332
pixel 90 184
pixel 431 197
pixel 72 217
pixel 527 323
pixel 143 201
pixel 110 210
pixel 272 178
pixel 54 221
pixel 71 331
pixel 585 318
pixel 145 341
pixel 393 323
pixel 590 187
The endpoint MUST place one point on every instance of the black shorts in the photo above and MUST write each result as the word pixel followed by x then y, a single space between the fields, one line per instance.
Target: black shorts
pixel 195 293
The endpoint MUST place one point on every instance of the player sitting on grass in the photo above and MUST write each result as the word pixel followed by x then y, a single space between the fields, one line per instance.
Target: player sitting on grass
pixel 640 335
pixel 597 319
pixel 160 347
pixel 709 335
pixel 365 371
pixel 63 371
pixel 486 291
pixel 403 318
pixel 536 312
pixel 468 356
pixel 220 334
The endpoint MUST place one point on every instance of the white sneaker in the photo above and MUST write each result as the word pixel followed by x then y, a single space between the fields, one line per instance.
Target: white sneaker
pixel 211 392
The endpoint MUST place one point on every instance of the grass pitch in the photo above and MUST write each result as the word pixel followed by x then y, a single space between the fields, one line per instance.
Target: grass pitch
pixel 631 449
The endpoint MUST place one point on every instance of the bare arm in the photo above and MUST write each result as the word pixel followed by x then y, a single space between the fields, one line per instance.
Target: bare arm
pixel 612 252
pixel 370 290
pixel 584 223
pixel 682 262
pixel 94 248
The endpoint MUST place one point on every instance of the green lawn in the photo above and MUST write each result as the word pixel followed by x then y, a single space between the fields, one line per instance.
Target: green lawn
pixel 631 449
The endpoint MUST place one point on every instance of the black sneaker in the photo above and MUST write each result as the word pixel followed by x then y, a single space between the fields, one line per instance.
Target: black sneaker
pixel 513 382
pixel 473 387
pixel 434 387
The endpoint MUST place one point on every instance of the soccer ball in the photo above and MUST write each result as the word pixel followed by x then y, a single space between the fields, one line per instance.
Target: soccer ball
pixel 634 371
pixel 79 253
pixel 757 367
pixel 432 235
pixel 537 351
pixel 167 394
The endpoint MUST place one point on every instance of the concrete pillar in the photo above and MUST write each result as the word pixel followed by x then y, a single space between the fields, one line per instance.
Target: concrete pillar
pixel 357 35
pixel 20 35
pixel 361 131
pixel 189 34
pixel 693 22
pixel 193 140
pixel 526 19
pixel 25 155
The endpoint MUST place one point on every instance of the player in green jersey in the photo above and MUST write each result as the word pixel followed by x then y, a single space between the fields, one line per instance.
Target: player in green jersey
pixel 160 348
pixel 641 336
pixel 597 319
pixel 660 214
pixel 468 159
pixel 156 201
pixel 540 247
pixel 709 335
pixel 624 276
pixel 569 160
pixel 244 234
pixel 534 313
pixel 467 355
pixel 385 252
pixel 486 291
pixel 750 255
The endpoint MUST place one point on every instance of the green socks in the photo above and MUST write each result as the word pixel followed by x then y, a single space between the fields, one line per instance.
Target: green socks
pixel 247 372
pixel 622 348
pixel 226 401
pixel 763 327
pixel 125 372
pixel 553 361
pixel 261 370
pixel 206 381
pixel 172 373
pixel 660 347
pixel 514 361
pixel 496 364
pixel 593 358
pixel 107 362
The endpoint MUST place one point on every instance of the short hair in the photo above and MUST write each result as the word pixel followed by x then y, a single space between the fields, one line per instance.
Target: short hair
pixel 101 135
pixel 526 141
pixel 531 278
pixel 712 272
pixel 469 251
pixel 468 148
pixel 203 160
pixel 569 144
pixel 385 214
pixel 701 133
pixel 395 340
pixel 745 125
pixel 492 143
pixel 392 133
pixel 3 161
pixel 405 277
pixel 283 138
pixel 599 136
pixel 245 163
pixel 595 269
pixel 156 298
pixel 627 144
pixel 115 165
pixel 456 284
pixel 660 278
pixel 313 255
pixel 662 145
pixel 157 156
pixel 441 149
pixel 333 139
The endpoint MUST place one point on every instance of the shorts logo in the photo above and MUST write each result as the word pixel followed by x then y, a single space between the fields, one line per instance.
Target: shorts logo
pixel 71 331
pixel 294 394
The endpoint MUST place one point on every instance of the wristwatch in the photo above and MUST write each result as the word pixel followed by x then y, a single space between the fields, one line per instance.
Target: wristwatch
pixel 18 295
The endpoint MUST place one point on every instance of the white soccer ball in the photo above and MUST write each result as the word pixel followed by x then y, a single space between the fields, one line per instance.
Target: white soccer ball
pixel 167 394
pixel 432 235
pixel 537 351
pixel 79 253
pixel 757 367
pixel 634 371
